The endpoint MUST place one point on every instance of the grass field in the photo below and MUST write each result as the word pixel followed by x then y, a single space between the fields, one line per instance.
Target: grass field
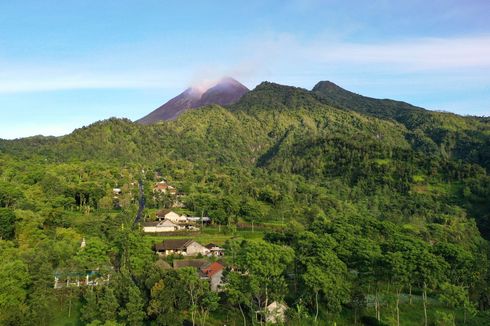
pixel 212 234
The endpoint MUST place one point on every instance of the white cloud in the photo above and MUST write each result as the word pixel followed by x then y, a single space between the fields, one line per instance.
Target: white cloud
pixel 47 78
pixel 421 54
pixel 417 54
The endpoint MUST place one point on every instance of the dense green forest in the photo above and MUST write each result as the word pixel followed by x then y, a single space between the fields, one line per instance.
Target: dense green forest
pixel 368 212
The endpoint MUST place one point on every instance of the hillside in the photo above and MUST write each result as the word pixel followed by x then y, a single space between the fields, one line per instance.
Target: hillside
pixel 465 138
pixel 359 202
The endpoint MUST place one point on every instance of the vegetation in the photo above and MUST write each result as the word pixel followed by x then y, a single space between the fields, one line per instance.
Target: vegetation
pixel 348 209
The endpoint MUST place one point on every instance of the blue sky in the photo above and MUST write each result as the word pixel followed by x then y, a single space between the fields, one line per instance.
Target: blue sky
pixel 65 64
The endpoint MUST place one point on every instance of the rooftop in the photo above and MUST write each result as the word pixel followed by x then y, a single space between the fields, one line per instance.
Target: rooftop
pixel 212 269
pixel 173 244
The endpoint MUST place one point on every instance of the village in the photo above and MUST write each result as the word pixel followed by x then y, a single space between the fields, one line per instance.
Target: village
pixel 208 259
pixel 180 245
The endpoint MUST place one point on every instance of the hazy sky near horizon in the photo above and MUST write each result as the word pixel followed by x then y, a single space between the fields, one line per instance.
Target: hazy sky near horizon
pixel 65 64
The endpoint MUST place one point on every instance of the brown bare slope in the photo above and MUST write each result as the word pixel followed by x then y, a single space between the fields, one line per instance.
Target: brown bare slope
pixel 226 92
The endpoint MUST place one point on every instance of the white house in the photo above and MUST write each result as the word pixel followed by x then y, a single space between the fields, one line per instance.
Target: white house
pixel 171 216
pixel 184 247
pixel 215 250
pixel 161 226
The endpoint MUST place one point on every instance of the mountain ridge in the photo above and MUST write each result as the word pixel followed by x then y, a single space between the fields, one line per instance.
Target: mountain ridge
pixel 278 108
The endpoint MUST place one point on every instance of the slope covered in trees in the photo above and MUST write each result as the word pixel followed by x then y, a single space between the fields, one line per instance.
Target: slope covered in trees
pixel 382 210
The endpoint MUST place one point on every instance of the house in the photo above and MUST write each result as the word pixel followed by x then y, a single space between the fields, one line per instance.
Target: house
pixel 184 247
pixel 160 187
pixel 275 313
pixel 116 191
pixel 166 214
pixel 213 272
pixel 164 188
pixel 215 250
pixel 160 226
pixel 172 190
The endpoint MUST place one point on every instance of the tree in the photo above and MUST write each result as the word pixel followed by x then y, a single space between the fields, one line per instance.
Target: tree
pixel 253 210
pixel 208 302
pixel 13 290
pixel 100 304
pixel 133 312
pixel 232 247
pixel 93 256
pixel 42 296
pixel 231 205
pixel 133 253
pixel 90 308
pixel 238 292
pixel 10 195
pixel 358 302
pixel 262 267
pixel 107 304
pixel 456 297
pixel 429 271
pixel 194 288
pixel 398 271
pixel 323 272
pixel 7 224
pixel 163 304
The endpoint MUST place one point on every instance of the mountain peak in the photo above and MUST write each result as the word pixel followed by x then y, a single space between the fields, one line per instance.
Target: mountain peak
pixel 229 81
pixel 226 91
pixel 336 96
pixel 327 85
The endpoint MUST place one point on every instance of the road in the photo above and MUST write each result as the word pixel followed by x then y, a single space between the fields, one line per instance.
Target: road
pixel 141 203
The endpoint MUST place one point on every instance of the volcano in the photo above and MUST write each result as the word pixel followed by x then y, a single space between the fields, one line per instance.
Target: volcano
pixel 225 92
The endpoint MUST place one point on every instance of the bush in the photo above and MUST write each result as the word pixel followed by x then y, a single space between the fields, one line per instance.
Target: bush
pixel 371 321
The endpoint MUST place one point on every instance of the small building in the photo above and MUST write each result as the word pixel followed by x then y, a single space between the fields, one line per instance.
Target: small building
pixel 275 313
pixel 171 190
pixel 184 247
pixel 164 188
pixel 166 214
pixel 160 226
pixel 213 272
pixel 215 250
pixel 160 186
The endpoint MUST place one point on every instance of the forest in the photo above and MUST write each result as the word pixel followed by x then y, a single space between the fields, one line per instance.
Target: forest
pixel 348 210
